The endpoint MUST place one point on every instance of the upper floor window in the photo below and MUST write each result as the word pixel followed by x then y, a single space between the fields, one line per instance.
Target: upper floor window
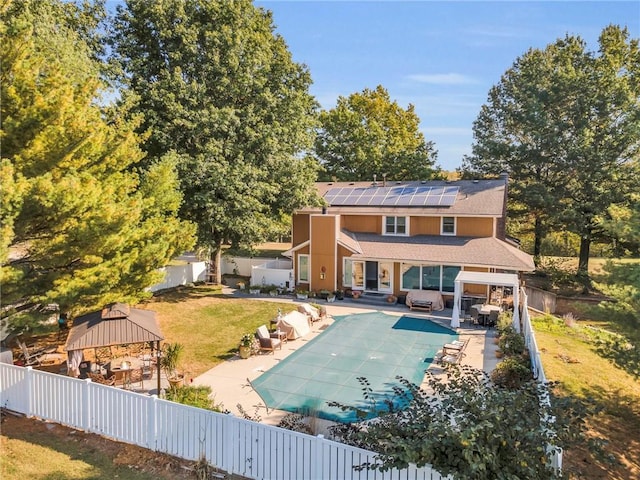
pixel 448 226
pixel 395 226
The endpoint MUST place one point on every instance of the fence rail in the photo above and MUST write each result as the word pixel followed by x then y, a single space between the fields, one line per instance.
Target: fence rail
pixel 236 445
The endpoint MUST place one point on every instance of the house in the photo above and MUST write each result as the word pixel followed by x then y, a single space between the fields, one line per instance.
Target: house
pixel 383 238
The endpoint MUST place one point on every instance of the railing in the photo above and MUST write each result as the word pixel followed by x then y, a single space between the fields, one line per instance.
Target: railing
pixel 238 446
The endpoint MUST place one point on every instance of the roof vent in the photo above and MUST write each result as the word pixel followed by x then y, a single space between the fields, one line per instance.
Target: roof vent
pixel 475 180
pixel 398 183
pixel 375 182
pixel 352 183
pixel 423 181
pixel 330 183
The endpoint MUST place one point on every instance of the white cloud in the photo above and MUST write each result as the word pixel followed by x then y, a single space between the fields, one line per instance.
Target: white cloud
pixel 442 78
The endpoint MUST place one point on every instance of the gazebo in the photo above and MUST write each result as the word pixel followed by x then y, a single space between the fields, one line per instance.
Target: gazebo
pixel 116 324
pixel 486 278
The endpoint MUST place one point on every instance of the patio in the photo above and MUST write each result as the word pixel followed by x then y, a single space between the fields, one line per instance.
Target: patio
pixel 231 381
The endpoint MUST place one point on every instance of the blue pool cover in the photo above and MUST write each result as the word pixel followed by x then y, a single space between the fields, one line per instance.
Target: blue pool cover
pixel 373 345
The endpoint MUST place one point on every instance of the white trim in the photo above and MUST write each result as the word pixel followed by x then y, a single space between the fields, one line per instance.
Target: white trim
pixel 455 226
pixel 407 222
pixel 308 257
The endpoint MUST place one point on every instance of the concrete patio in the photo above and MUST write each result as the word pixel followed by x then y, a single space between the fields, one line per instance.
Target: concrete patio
pixel 230 381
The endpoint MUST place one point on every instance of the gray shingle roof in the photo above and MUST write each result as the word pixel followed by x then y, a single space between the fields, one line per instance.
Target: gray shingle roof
pixel 116 324
pixel 475 197
pixel 438 249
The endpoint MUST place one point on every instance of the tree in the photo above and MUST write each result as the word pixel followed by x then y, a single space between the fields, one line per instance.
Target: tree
pixel 83 228
pixel 465 426
pixel 217 87
pixel 367 134
pixel 565 122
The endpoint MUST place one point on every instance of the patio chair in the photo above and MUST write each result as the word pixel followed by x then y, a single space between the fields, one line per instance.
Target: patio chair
pixel 474 316
pixel 492 318
pixel 30 357
pixel 267 342
pixel 312 313
pixel 136 378
pixel 101 379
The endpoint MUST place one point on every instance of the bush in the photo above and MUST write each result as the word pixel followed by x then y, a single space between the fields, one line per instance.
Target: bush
pixel 505 323
pixel 511 343
pixel 194 396
pixel 511 373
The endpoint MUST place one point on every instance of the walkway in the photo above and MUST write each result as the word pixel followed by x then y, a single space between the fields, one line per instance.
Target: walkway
pixel 230 381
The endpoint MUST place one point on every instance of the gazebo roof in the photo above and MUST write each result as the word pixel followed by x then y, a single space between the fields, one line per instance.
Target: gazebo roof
pixel 116 324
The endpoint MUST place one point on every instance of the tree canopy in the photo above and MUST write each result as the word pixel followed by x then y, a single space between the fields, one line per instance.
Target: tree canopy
pixel 80 226
pixel 367 134
pixel 565 123
pixel 220 89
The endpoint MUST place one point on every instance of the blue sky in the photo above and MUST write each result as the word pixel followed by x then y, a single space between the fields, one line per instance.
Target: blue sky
pixel 442 57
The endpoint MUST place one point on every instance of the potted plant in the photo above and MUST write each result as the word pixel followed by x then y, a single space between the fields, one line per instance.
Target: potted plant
pixel 356 294
pixel 391 299
pixel 302 294
pixel 246 342
pixel 171 354
pixel 254 290
pixel 339 294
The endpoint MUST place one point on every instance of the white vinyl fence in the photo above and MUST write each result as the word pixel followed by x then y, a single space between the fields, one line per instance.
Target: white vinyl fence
pixel 175 275
pixel 239 446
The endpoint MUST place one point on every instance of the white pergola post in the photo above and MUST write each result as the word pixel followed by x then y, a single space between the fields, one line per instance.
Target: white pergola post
pixel 455 315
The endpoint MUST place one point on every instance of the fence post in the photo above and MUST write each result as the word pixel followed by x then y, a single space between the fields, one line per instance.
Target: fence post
pixel 29 377
pixel 317 468
pixel 228 443
pixel 152 432
pixel 86 405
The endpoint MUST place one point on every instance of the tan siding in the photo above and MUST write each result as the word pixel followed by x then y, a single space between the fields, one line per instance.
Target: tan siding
pixel 474 227
pixel 362 223
pixel 300 222
pixel 425 226
pixel 473 288
pixel 323 252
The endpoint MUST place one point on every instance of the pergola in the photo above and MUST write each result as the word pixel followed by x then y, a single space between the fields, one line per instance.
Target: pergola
pixel 116 324
pixel 486 278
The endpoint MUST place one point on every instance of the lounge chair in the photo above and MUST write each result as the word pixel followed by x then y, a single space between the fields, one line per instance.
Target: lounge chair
pixel 33 356
pixel 312 313
pixel 267 342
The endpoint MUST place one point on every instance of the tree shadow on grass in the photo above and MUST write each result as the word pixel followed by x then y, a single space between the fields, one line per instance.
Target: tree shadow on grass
pixel 183 293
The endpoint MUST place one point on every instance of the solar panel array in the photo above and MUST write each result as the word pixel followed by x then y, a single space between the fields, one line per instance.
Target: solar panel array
pixel 396 196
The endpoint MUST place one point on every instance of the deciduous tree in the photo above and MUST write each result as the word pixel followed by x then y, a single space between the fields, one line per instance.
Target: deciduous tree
pixel 218 87
pixel 565 122
pixel 367 134
pixel 82 228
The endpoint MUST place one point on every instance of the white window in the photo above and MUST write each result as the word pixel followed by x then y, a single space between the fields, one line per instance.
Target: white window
pixel 448 226
pixel 303 268
pixel 395 226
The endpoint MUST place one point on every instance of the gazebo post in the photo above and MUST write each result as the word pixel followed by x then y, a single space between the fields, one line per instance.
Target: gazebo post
pixel 158 363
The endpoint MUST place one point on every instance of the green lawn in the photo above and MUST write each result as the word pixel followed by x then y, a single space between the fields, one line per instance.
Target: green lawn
pixel 571 356
pixel 209 324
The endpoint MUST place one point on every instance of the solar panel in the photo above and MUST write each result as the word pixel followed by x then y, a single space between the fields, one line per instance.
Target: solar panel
pixel 396 196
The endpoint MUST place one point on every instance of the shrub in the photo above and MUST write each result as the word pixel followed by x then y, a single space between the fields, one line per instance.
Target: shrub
pixel 511 343
pixel 505 323
pixel 296 423
pixel 511 373
pixel 195 396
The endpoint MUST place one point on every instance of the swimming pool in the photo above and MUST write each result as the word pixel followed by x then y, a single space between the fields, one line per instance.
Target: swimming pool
pixel 372 345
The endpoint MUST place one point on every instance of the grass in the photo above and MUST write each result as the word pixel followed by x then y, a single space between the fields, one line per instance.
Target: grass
pixel 573 357
pixel 209 324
